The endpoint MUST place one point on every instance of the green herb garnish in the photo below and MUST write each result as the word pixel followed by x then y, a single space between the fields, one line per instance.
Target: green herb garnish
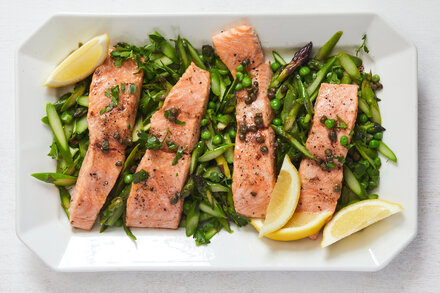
pixel 179 154
pixel 363 46
pixel 112 93
pixel 132 89
pixel 140 176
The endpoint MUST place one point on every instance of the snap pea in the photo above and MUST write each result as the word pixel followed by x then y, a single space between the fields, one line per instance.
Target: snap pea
pixel 280 131
pixel 349 66
pixel 57 129
pixel 326 49
pixel 212 154
pixel 56 178
pixel 112 212
pixel 214 210
pixel 83 101
pixel 194 55
pixel 215 82
pixel 369 96
pixel 229 153
pixel 386 151
pixel 217 187
pixel 192 219
pixel 278 58
pixel 187 188
pixel 79 90
pixel 320 75
pixel 353 183
pixel 182 53
pixel 65 200
pixel 304 95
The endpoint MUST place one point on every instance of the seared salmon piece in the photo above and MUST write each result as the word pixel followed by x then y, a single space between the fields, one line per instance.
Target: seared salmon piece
pixel 238 44
pixel 320 190
pixel 108 132
pixel 149 203
pixel 189 97
pixel 333 101
pixel 254 173
pixel 246 113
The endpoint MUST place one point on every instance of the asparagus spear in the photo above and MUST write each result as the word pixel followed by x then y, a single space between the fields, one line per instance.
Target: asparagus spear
pixel 325 50
pixel 298 60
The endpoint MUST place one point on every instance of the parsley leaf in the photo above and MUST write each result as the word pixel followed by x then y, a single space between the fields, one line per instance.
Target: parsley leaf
pixel 132 89
pixel 149 141
pixel 363 46
pixel 342 123
pixel 112 93
pixel 179 154
pixel 140 176
pixel 122 87
pixel 171 145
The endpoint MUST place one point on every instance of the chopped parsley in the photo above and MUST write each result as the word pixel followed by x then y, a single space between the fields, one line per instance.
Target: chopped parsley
pixel 149 141
pixel 122 87
pixel 140 176
pixel 171 145
pixel 341 123
pixel 179 154
pixel 363 46
pixel 112 93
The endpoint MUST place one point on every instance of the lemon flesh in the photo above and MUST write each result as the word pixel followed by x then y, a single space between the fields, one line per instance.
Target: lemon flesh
pixel 301 225
pixel 283 200
pixel 356 217
pixel 80 63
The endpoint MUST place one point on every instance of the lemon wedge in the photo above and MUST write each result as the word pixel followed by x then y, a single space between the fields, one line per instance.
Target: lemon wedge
pixel 283 199
pixel 80 63
pixel 356 217
pixel 301 225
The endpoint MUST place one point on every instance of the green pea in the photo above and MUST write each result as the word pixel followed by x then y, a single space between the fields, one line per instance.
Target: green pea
pixel 206 135
pixel 378 135
pixel 304 71
pixel 377 162
pixel 275 104
pixel 239 76
pixel 277 121
pixel 375 78
pixel 128 178
pixel 223 119
pixel 365 163
pixel 344 140
pixel 363 118
pixel 238 86
pixel 217 139
pixel 212 105
pixel 275 66
pixel 303 122
pixel 373 144
pixel 204 122
pixel 330 123
pixel 239 68
pixel 232 133
pixel 247 81
pixel 66 117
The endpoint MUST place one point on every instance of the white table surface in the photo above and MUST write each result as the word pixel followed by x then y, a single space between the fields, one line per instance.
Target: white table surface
pixel 416 269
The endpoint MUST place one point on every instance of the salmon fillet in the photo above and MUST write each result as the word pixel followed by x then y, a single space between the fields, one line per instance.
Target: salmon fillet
pixel 320 190
pixel 107 131
pixel 149 203
pixel 254 173
pixel 190 97
pixel 238 44
pixel 246 113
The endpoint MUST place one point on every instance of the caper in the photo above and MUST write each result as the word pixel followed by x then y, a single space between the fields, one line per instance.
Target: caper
pixel 116 135
pixel 105 146
pixel 323 119
pixel 174 199
pixel 253 128
pixel 264 149
pixel 324 167
pixel 243 129
pixel 255 83
pixel 248 100
pixel 283 89
pixel 258 121
pixel 328 152
pixel 174 111
pixel 332 135
pixel 118 163
pixel 260 139
pixel 245 62
pixel 337 188
pixel 242 136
